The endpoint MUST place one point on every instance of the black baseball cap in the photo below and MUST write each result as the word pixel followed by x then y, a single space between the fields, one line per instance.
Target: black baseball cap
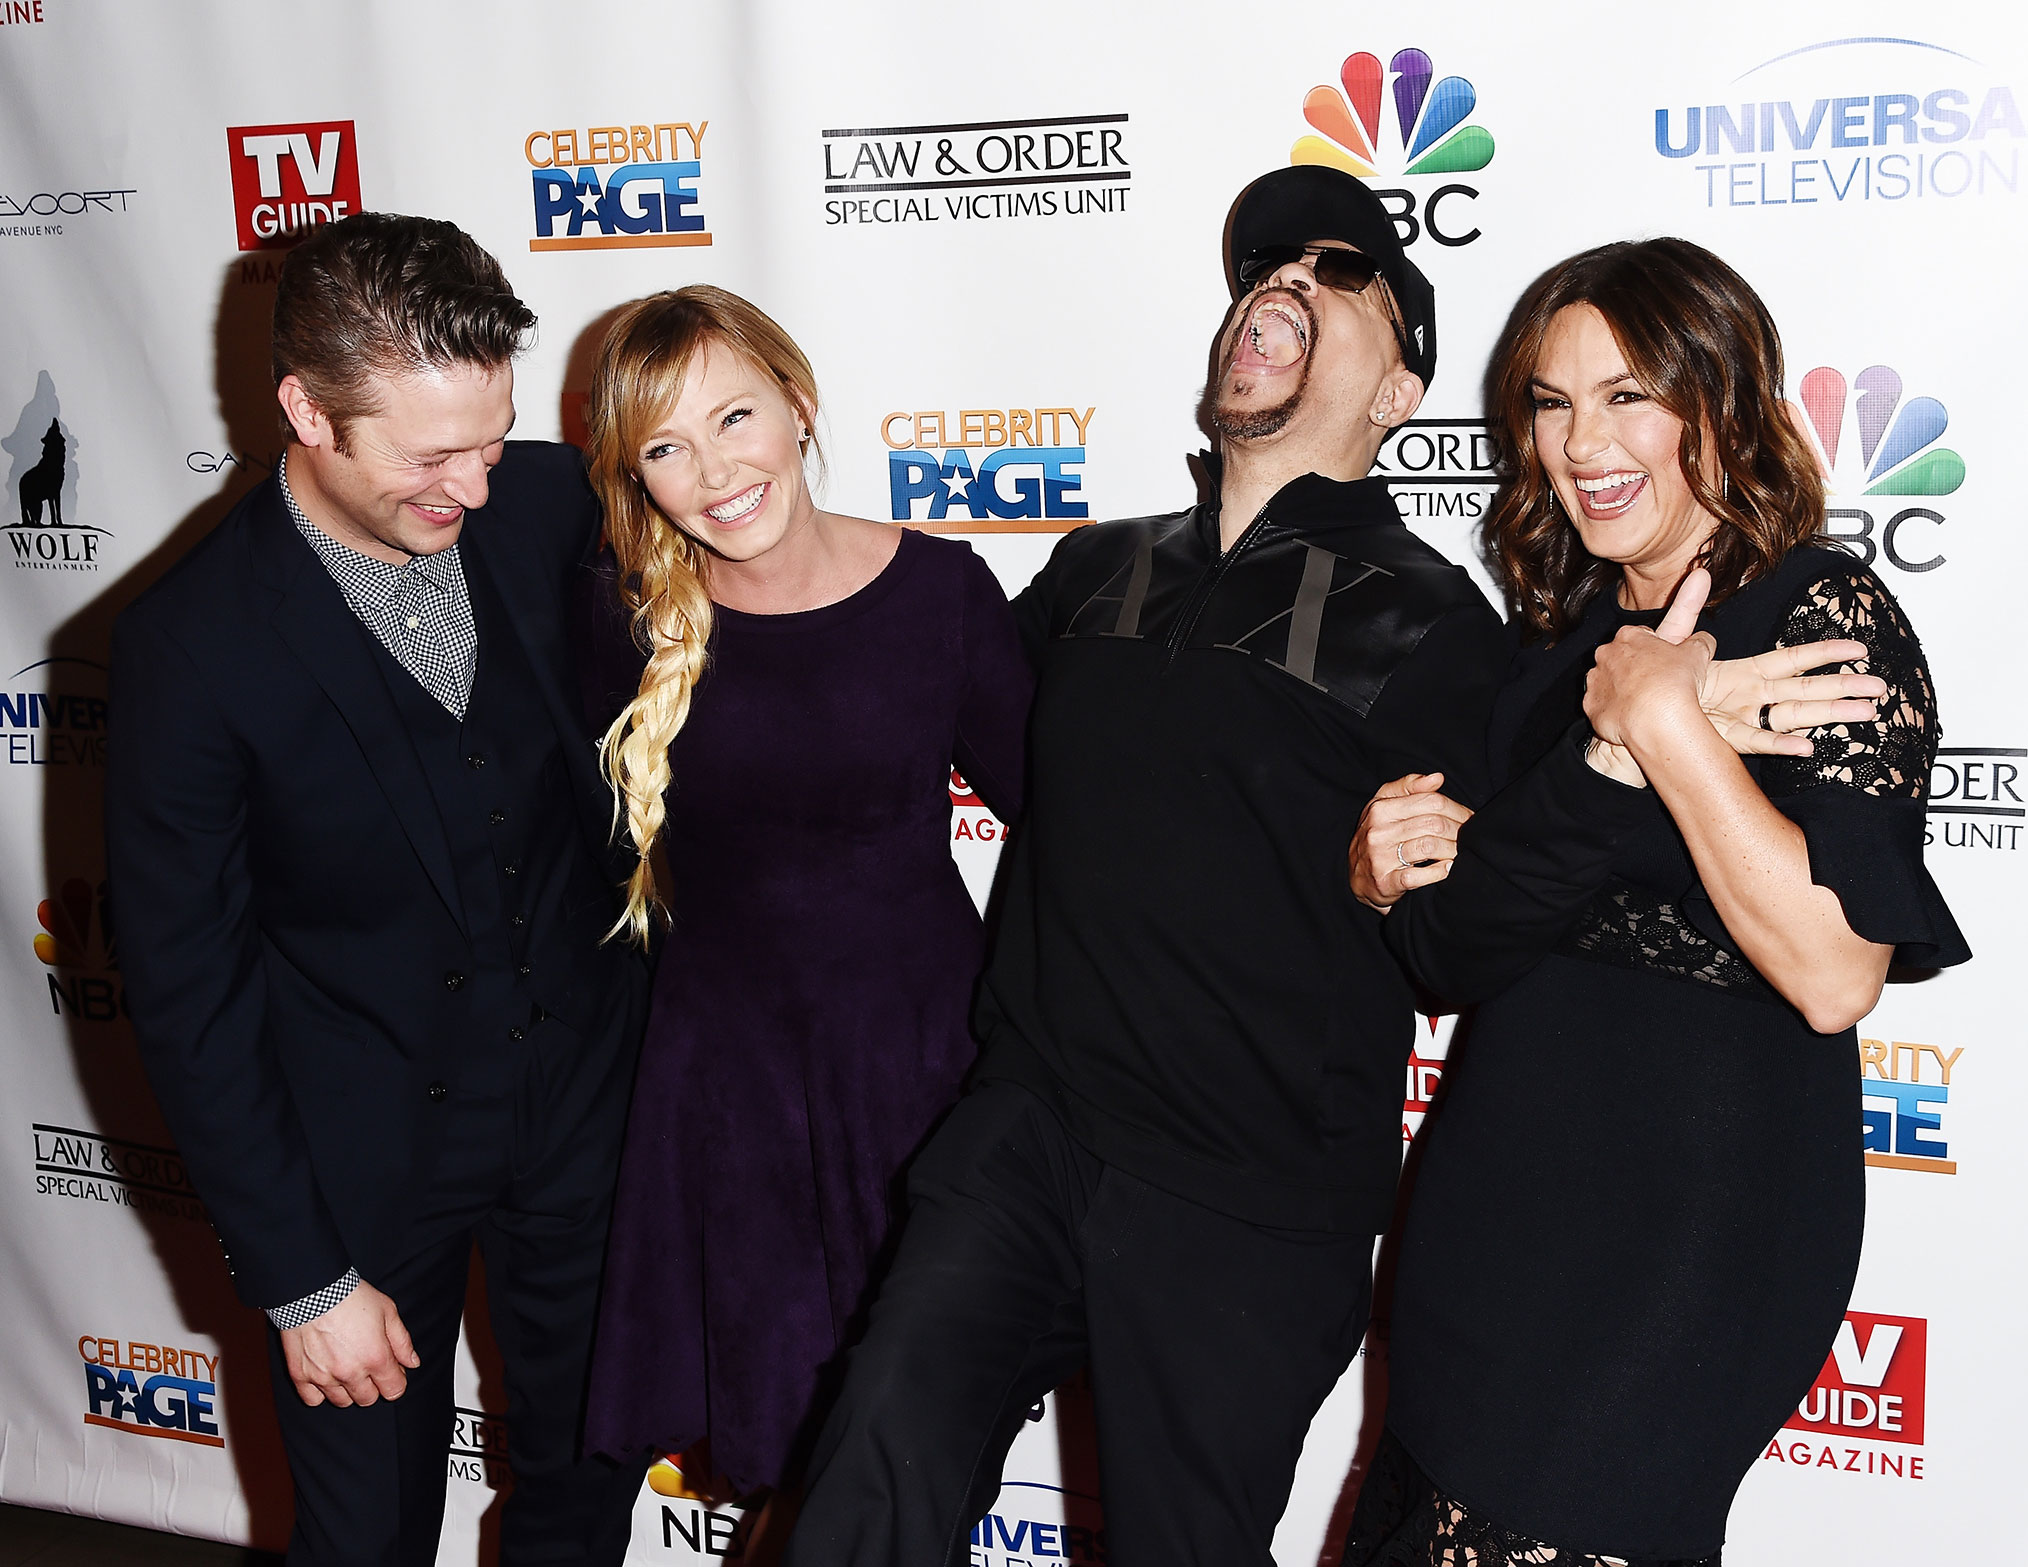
pixel 1310 201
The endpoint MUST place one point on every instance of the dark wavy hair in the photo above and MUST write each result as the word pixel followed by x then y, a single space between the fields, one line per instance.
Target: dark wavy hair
pixel 379 294
pixel 1703 345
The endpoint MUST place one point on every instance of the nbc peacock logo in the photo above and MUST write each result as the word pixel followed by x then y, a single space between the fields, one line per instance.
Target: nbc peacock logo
pixel 76 942
pixel 1871 441
pixel 1433 133
pixel 1897 451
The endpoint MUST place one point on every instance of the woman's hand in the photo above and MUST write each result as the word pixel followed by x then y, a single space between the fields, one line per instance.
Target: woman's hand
pixel 1737 694
pixel 1653 680
pixel 1407 838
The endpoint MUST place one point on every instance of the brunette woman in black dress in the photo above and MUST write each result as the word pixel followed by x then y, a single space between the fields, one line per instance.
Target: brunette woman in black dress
pixel 1638 1215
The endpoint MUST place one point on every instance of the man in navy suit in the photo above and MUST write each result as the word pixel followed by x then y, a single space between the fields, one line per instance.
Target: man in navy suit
pixel 360 845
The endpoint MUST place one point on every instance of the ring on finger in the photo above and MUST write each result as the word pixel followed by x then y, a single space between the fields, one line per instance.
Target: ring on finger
pixel 1401 858
pixel 1765 709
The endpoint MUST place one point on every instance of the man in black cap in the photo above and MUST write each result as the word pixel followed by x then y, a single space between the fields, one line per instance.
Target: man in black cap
pixel 1185 1130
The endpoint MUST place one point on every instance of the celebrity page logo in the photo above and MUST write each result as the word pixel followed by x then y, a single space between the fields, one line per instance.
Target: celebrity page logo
pixel 1907 1089
pixel 289 179
pixel 1873 441
pixel 645 199
pixel 1002 470
pixel 1432 134
pixel 1063 166
pixel 1850 120
pixel 177 1400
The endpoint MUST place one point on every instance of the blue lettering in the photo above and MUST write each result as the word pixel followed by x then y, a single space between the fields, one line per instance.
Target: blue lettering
pixel 1044 1536
pixel 553 200
pixel 18 711
pixel 1801 136
pixel 1026 501
pixel 912 476
pixel 1718 121
pixel 1997 113
pixel 103 1389
pixel 1057 484
pixel 1910 1120
pixel 1848 122
pixel 1935 107
pixel 1891 110
pixel 1009 1542
pixel 1693 134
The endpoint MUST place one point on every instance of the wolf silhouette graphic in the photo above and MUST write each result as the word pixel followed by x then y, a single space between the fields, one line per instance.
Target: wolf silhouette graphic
pixel 42 485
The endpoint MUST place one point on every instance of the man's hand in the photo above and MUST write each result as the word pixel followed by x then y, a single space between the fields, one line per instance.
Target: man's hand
pixel 1407 838
pixel 353 1354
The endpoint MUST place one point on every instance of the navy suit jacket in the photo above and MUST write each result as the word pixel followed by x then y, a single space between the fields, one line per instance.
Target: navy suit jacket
pixel 287 903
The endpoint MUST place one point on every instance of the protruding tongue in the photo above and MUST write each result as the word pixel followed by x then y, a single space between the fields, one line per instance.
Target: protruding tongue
pixel 1269 339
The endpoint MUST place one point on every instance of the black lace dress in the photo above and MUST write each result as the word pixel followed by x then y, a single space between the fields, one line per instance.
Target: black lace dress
pixel 1638 1212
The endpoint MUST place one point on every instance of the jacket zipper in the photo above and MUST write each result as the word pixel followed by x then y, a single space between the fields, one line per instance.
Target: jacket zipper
pixel 1193 607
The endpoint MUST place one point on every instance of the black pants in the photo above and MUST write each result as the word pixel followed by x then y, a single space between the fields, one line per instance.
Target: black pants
pixel 527 1167
pixel 1211 1343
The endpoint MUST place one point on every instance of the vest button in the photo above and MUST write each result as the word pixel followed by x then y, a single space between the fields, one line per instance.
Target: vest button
pixel 514 1034
pixel 496 817
pixel 525 970
pixel 438 1093
pixel 510 870
pixel 475 760
pixel 453 980
pixel 518 920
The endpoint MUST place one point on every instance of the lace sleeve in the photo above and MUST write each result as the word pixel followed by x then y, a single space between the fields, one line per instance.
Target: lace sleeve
pixel 1860 798
pixel 1890 758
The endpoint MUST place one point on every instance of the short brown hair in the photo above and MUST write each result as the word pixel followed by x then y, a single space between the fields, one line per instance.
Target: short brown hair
pixel 379 294
pixel 1704 346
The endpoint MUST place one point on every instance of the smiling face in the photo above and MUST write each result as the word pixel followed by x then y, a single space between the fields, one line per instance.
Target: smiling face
pixel 726 464
pixel 1297 356
pixel 1614 456
pixel 408 472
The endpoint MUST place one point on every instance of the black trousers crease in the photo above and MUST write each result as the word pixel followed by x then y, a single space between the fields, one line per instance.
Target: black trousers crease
pixel 1211 1343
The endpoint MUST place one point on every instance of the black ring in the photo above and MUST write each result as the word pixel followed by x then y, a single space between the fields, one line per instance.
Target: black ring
pixel 1765 709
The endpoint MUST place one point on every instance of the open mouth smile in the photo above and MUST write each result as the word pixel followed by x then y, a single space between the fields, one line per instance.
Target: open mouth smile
pixel 1609 495
pixel 739 508
pixel 441 516
pixel 1276 337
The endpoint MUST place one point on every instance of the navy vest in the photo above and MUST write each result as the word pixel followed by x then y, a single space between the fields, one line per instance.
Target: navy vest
pixel 536 901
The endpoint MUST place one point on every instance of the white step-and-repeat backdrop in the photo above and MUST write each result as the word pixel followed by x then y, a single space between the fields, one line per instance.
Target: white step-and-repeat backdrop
pixel 995 230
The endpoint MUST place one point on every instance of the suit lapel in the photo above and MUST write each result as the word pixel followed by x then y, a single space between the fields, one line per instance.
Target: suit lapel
pixel 534 610
pixel 310 615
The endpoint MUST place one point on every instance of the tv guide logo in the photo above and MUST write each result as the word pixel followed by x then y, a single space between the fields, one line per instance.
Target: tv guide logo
pixel 151 1390
pixel 289 179
pixel 1871 1390
pixel 1027 476
pixel 646 197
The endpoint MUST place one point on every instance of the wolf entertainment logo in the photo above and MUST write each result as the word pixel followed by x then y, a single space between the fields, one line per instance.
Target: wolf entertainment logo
pixel 48 534
pixel 1431 129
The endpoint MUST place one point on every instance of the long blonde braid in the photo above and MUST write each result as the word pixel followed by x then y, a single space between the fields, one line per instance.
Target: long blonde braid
pixel 637 381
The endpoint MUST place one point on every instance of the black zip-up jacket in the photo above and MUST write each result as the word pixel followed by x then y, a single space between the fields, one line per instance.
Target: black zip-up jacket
pixel 1181 970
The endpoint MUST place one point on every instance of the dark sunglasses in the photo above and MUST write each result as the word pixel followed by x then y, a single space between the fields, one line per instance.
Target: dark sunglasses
pixel 1348 271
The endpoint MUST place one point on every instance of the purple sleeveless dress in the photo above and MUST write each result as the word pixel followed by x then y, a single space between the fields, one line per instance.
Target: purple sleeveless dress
pixel 809 1016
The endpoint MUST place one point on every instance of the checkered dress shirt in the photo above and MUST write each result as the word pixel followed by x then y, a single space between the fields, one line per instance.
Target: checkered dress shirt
pixel 422 614
pixel 420 611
